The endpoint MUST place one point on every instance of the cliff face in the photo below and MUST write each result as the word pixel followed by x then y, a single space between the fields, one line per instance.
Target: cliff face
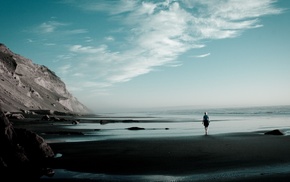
pixel 28 86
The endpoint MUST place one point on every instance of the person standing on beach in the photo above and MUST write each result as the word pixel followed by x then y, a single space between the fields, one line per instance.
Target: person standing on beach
pixel 205 122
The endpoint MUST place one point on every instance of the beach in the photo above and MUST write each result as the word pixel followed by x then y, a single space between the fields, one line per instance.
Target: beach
pixel 91 151
pixel 236 157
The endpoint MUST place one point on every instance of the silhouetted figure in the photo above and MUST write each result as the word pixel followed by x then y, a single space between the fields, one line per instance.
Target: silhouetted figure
pixel 205 122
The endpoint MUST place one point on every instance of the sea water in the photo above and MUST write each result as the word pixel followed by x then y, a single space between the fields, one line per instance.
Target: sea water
pixel 180 122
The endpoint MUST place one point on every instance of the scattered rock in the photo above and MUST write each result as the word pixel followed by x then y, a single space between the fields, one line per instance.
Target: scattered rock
pixel 16 116
pixel 75 122
pixel 54 118
pixel 23 153
pixel 135 128
pixel 102 122
pixel 274 132
pixel 130 121
pixel 45 118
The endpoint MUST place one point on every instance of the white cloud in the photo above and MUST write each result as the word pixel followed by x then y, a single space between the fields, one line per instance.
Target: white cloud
pixel 64 57
pixel 76 31
pixel 159 32
pixel 112 7
pixel 30 40
pixel 88 39
pixel 56 29
pixel 50 44
pixel 110 38
pixel 88 49
pixel 50 26
pixel 202 55
pixel 242 9
pixel 65 69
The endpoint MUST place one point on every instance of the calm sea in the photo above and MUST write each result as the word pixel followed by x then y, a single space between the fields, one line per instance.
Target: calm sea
pixel 181 122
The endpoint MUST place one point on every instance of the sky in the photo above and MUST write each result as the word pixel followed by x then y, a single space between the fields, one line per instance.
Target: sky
pixel 116 55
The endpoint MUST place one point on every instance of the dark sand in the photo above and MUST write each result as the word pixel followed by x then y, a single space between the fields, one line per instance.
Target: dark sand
pixel 224 157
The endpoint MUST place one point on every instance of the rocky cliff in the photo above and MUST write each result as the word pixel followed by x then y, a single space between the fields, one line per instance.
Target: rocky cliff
pixel 26 86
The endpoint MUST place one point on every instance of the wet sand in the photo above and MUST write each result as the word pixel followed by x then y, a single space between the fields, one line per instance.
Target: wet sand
pixel 180 156
pixel 223 157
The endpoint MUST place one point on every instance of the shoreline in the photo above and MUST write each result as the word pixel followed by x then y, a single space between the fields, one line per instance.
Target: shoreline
pixel 93 130
pixel 236 156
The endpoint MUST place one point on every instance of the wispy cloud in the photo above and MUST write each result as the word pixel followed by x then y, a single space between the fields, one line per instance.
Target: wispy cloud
pixel 109 38
pixel 88 49
pixel 55 33
pixel 49 26
pixel 49 44
pixel 75 31
pixel 30 40
pixel 202 55
pixel 88 39
pixel 157 33
pixel 111 7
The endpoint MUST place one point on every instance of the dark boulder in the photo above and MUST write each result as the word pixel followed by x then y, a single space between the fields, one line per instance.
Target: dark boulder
pixel 135 128
pixel 74 122
pixel 23 154
pixel 130 121
pixel 274 132
pixel 45 118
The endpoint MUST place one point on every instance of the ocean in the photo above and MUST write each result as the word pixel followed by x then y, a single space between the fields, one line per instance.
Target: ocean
pixel 180 122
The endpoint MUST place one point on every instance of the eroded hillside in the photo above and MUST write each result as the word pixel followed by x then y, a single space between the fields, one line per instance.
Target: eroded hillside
pixel 27 86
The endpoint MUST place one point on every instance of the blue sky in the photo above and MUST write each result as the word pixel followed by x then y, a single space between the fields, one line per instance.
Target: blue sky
pixel 118 55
